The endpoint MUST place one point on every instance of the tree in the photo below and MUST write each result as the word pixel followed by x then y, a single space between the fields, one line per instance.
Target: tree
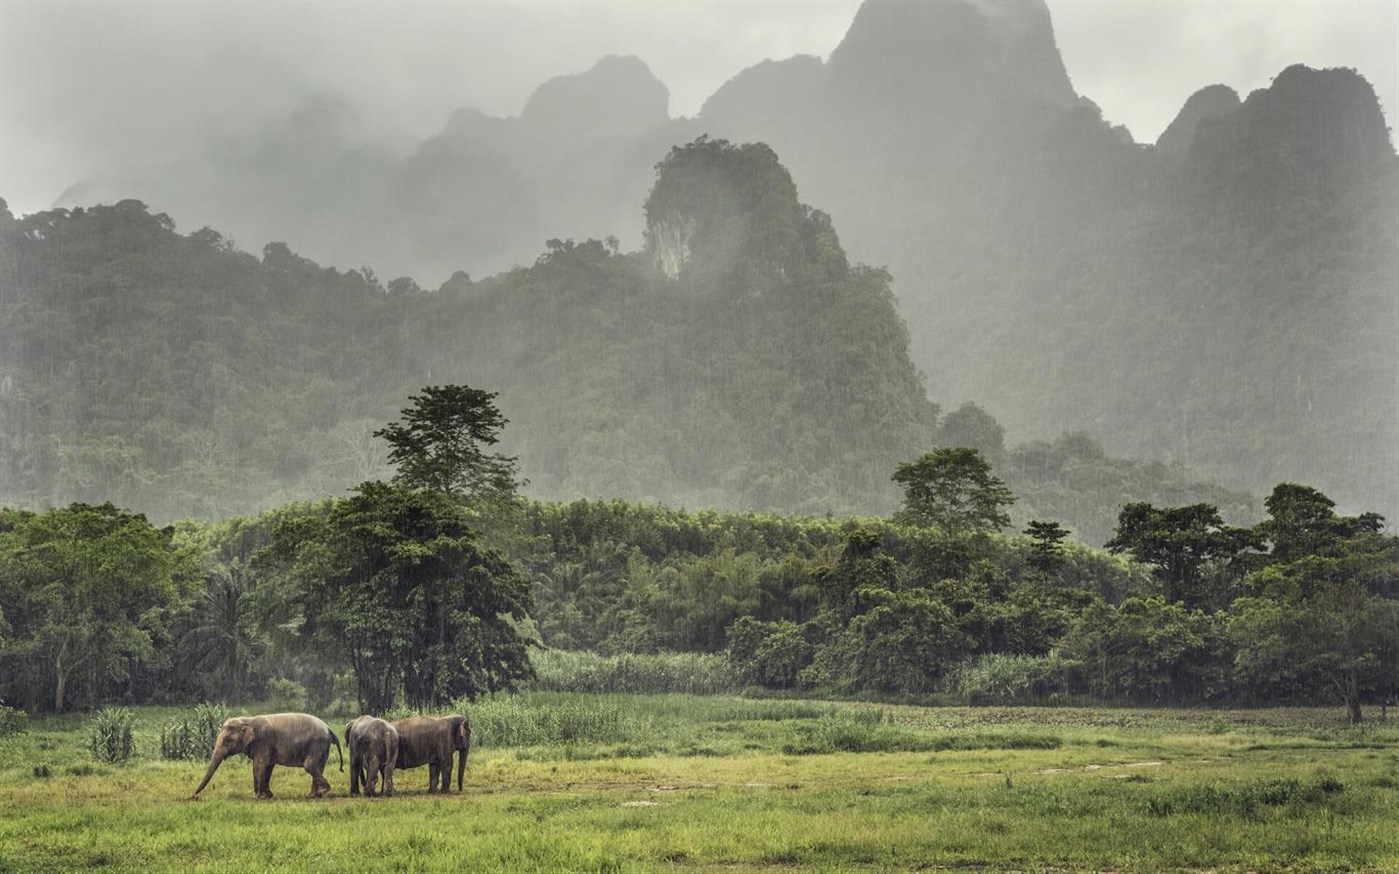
pixel 83 588
pixel 439 444
pixel 225 639
pixel 395 581
pixel 1046 549
pixel 1318 617
pixel 954 491
pixel 1147 649
pixel 903 643
pixel 1302 521
pixel 1180 542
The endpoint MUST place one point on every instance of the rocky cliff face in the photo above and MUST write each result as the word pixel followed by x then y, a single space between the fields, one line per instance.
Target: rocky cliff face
pixel 1209 102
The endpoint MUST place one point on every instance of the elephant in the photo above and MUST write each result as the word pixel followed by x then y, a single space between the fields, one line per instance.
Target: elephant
pixel 373 746
pixel 277 739
pixel 431 741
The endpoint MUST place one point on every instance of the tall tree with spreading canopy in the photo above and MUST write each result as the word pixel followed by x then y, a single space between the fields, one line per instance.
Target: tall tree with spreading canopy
pixel 1327 603
pixel 1181 542
pixel 395 580
pixel 83 588
pixel 954 491
pixel 441 441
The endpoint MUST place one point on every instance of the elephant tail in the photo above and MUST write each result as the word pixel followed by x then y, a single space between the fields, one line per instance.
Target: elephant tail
pixel 338 751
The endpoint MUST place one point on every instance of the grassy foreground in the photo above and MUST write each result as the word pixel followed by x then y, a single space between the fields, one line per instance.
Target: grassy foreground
pixel 619 783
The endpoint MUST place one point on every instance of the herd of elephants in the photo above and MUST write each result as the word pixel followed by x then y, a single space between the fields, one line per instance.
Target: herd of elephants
pixel 376 748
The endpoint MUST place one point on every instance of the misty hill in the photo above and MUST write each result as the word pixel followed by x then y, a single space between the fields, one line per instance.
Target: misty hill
pixel 1225 298
pixel 736 361
pixel 179 375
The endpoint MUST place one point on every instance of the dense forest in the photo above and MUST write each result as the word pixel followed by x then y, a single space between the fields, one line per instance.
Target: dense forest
pixel 739 361
pixel 433 587
pixel 1223 298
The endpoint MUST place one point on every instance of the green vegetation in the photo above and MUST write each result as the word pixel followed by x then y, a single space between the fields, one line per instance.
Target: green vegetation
pixel 647 782
pixel 109 735
pixel 692 673
pixel 391 597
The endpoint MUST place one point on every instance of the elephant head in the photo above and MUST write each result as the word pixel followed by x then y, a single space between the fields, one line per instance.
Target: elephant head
pixel 461 744
pixel 236 736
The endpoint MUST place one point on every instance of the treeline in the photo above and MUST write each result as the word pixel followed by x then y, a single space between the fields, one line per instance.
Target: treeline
pixel 100 606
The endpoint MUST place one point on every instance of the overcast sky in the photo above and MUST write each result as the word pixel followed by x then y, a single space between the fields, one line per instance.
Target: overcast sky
pixel 83 83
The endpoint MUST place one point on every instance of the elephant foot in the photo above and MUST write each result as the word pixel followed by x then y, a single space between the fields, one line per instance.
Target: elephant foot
pixel 264 796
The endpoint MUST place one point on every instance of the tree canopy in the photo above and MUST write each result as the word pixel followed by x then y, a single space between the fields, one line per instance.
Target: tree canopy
pixel 439 444
pixel 395 581
pixel 954 491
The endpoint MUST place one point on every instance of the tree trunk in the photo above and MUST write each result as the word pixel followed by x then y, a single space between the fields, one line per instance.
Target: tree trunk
pixel 60 672
pixel 1353 698
pixel 58 689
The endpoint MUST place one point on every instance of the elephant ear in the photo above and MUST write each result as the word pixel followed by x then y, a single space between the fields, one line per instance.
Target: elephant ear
pixel 461 732
pixel 247 735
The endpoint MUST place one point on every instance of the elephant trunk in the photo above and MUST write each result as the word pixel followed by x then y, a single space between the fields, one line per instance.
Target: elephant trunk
pixel 214 761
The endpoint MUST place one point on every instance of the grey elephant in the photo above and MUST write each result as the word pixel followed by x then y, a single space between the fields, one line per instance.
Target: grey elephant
pixel 373 746
pixel 291 739
pixel 431 741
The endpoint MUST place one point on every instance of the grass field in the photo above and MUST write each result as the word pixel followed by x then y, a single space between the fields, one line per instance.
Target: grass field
pixel 618 783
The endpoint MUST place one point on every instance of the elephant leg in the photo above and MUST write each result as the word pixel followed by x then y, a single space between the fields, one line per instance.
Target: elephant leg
pixel 314 766
pixel 388 777
pixel 354 774
pixel 262 776
pixel 371 776
pixel 432 770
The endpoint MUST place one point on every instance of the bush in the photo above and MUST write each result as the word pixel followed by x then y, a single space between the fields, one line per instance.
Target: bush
pixel 997 678
pixel 109 735
pixel 192 736
pixel 12 721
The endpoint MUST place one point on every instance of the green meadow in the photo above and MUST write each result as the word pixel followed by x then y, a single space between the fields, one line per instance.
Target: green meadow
pixel 562 781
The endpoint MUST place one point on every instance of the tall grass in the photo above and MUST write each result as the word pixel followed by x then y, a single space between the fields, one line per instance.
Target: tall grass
pixel 110 736
pixel 684 672
pixel 998 678
pixel 192 734
pixel 518 721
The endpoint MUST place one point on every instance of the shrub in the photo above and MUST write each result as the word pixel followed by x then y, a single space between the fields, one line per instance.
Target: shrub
pixel 176 740
pixel 109 735
pixel 999 678
pixel 12 721
pixel 192 736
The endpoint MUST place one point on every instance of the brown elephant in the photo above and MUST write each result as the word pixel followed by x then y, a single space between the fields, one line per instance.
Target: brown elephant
pixel 373 746
pixel 292 739
pixel 431 741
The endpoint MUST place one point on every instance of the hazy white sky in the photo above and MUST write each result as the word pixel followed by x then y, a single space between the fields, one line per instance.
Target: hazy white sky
pixel 87 83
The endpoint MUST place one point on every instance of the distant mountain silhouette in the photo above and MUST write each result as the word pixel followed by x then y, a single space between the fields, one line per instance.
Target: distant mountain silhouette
pixel 1225 297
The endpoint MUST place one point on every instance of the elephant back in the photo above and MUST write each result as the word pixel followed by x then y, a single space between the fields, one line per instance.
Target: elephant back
pixel 422 740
